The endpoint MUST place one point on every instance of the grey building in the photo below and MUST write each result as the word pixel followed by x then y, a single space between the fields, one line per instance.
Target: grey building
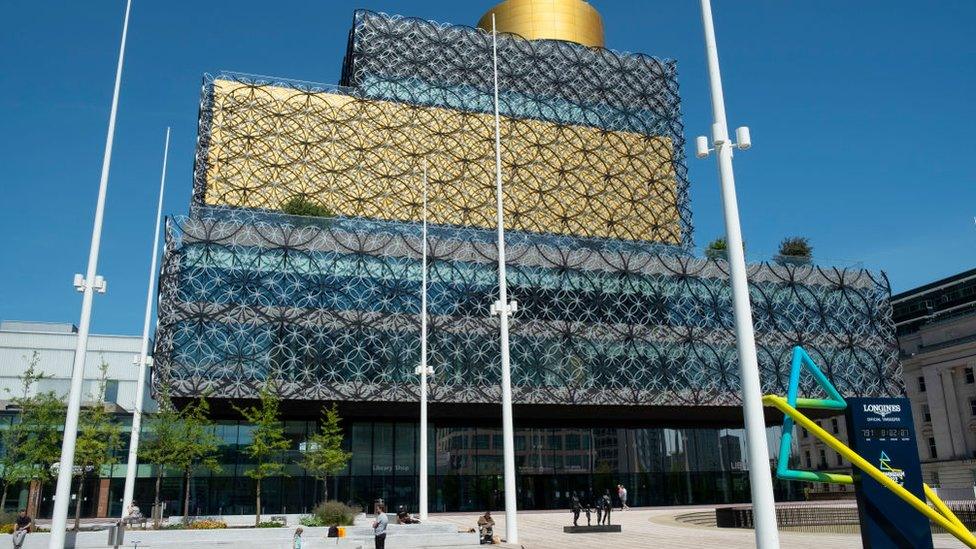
pixel 52 346
pixel 936 328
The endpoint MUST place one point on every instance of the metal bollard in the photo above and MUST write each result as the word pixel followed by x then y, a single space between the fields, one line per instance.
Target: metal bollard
pixel 116 535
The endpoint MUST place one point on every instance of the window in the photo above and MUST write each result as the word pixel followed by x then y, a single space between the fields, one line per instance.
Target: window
pixel 805 433
pixel 933 451
pixel 926 414
pixel 807 456
pixel 834 426
pixel 921 384
pixel 481 441
pixel 823 459
pixel 972 406
pixel 970 378
pixel 111 391
pixel 936 482
pixel 839 460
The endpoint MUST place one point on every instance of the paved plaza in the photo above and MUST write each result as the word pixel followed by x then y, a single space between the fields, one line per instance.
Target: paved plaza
pixel 655 528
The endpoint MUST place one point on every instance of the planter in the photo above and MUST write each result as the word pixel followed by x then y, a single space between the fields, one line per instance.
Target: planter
pixel 796 260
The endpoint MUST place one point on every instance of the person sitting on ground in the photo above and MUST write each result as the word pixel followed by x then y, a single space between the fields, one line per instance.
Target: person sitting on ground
pixel 403 517
pixel 486 527
pixel 133 514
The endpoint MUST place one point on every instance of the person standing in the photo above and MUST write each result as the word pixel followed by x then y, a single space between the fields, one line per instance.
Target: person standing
pixel 21 528
pixel 379 526
pixel 606 504
pixel 576 508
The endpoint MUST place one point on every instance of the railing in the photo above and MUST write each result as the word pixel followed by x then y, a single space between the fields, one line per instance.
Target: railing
pixel 815 518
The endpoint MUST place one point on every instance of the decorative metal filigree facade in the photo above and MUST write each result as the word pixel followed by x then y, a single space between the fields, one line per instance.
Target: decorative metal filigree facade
pixel 333 311
pixel 613 308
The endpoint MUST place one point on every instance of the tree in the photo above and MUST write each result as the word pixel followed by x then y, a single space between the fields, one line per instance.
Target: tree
pixel 16 439
pixel 323 454
pixel 99 434
pixel 181 439
pixel 197 445
pixel 33 441
pixel 268 442
pixel 163 444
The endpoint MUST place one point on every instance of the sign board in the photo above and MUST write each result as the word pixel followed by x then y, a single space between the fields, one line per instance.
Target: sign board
pixel 881 430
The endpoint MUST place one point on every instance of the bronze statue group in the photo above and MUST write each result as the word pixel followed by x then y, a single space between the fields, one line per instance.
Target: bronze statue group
pixel 585 504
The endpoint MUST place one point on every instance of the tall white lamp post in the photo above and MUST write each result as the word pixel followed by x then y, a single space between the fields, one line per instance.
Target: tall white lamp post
pixel 423 369
pixel 141 360
pixel 88 285
pixel 760 477
pixel 503 308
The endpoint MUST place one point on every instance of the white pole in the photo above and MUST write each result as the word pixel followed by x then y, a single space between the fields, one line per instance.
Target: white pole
pixel 504 309
pixel 760 477
pixel 63 494
pixel 130 470
pixel 423 363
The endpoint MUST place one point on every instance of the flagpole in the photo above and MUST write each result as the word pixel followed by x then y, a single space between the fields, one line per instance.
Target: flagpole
pixel 423 362
pixel 88 284
pixel 141 360
pixel 504 309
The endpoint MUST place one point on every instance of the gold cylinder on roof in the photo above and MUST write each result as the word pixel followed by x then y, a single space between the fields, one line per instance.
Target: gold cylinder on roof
pixel 570 20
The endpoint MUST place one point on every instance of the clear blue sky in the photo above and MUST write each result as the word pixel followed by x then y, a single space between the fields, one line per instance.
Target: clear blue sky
pixel 862 117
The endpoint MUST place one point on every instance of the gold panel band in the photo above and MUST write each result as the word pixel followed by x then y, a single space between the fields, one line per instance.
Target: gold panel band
pixel 362 158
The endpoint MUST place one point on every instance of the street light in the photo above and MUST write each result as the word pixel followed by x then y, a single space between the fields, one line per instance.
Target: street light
pixel 503 308
pixel 87 285
pixel 142 360
pixel 760 477
pixel 423 370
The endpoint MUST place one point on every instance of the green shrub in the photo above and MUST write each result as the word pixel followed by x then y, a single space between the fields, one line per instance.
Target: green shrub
pixel 334 513
pixel 7 520
pixel 302 205
pixel 796 246
pixel 311 521
pixel 717 249
pixel 270 524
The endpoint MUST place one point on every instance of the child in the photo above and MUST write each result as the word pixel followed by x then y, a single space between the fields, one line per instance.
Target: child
pixel 298 538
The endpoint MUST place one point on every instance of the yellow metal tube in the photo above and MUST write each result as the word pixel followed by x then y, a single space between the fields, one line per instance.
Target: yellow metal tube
pixel 950 526
pixel 942 507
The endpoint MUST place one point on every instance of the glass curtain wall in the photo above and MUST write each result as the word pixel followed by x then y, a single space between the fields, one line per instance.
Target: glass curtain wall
pixel 659 466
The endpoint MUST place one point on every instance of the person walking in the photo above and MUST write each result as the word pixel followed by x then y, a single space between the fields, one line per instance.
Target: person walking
pixel 297 540
pixel 622 495
pixel 22 527
pixel 379 526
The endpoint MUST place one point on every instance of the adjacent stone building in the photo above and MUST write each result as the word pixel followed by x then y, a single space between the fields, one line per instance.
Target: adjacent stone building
pixel 936 326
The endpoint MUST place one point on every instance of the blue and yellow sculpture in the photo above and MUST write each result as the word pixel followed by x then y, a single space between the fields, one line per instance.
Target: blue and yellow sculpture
pixel 941 514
